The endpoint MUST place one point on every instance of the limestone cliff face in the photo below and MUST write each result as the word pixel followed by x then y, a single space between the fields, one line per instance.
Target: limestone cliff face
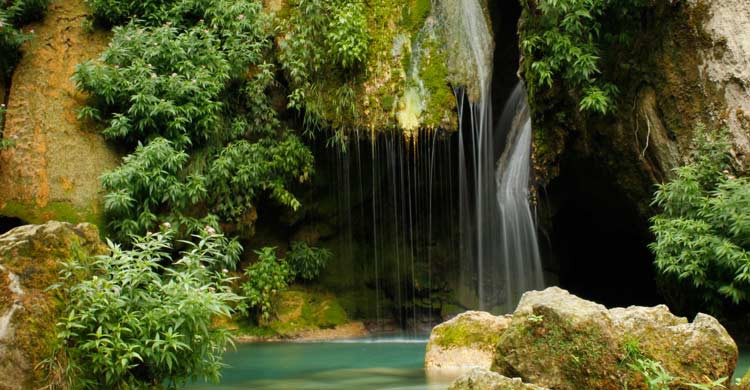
pixel 53 170
pixel 690 65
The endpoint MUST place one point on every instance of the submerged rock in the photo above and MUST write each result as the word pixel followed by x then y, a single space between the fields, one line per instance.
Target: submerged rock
pixel 465 342
pixel 52 172
pixel 29 263
pixel 480 379
pixel 563 342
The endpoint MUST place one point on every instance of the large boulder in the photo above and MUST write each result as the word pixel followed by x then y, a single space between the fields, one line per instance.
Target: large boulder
pixel 30 259
pixel 560 341
pixel 467 341
pixel 53 171
pixel 481 379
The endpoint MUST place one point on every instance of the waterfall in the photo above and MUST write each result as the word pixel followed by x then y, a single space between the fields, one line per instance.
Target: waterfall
pixel 520 251
pixel 500 257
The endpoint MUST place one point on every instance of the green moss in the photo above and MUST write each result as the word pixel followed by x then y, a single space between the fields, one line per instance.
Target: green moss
pixel 586 357
pixel 465 333
pixel 415 13
pixel 300 309
pixel 53 211
pixel 387 102
pixel 441 101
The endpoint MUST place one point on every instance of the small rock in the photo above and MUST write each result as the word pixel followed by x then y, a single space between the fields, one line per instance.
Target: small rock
pixel 481 379
pixel 465 342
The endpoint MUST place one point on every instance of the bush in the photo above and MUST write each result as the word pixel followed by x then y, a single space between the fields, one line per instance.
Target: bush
pixel 190 90
pixel 266 279
pixel 703 230
pixel 562 40
pixel 307 262
pixel 326 40
pixel 142 319
pixel 148 188
pixel 347 37
pixel 244 169
pixel 157 82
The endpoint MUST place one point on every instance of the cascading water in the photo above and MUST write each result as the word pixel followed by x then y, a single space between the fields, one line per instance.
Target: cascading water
pixel 520 251
pixel 416 207
pixel 500 256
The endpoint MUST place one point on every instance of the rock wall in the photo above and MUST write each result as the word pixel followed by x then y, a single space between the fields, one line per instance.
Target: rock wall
pixel 30 259
pixel 689 64
pixel 53 170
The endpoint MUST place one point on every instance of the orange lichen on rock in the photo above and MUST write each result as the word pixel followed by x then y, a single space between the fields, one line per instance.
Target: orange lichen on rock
pixel 52 171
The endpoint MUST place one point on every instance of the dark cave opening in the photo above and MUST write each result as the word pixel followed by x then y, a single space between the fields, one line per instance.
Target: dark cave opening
pixel 8 223
pixel 597 244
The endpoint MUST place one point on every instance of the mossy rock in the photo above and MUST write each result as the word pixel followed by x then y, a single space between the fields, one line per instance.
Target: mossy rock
pixel 30 261
pixel 466 341
pixel 52 172
pixel 299 310
pixel 480 379
pixel 560 341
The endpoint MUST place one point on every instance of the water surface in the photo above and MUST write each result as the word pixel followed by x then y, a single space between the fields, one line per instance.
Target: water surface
pixel 361 364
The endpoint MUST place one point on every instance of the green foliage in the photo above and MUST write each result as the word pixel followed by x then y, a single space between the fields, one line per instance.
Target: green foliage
pixel 21 12
pixel 266 279
pixel 147 189
pixel 326 41
pixel 114 12
pixel 237 176
pixel 14 14
pixel 157 82
pixel 703 230
pixel 307 262
pixel 186 84
pixel 563 44
pixel 347 33
pixel 143 319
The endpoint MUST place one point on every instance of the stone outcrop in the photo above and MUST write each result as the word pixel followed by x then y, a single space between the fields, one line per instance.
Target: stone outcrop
pixel 53 170
pixel 30 258
pixel 559 341
pixel 480 379
pixel 689 64
pixel 564 342
pixel 464 342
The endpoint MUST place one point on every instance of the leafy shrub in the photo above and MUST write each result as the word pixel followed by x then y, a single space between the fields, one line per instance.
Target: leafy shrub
pixel 563 42
pixel 148 188
pixel 114 12
pixel 237 176
pixel 191 89
pixel 347 37
pixel 266 278
pixel 142 319
pixel 307 262
pixel 325 41
pixel 21 12
pixel 703 230
pixel 157 82
pixel 14 14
